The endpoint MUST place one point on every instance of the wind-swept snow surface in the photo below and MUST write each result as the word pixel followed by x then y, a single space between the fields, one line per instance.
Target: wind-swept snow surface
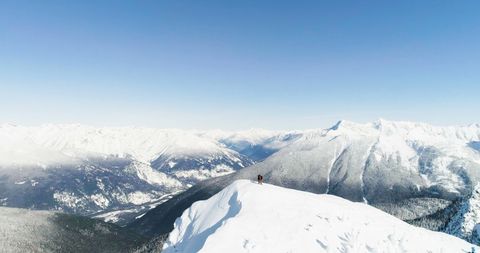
pixel 247 217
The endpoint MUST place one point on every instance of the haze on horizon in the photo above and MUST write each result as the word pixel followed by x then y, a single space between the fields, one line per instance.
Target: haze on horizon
pixel 239 65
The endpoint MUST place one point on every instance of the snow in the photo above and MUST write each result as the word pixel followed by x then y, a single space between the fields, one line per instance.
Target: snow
pixel 33 182
pixel 114 157
pixel 202 174
pixel 20 229
pixel 252 136
pixel 28 231
pixel 115 216
pixel 67 198
pixel 349 156
pixel 50 144
pixel 122 216
pixel 154 177
pixel 467 219
pixel 100 200
pixel 475 238
pixel 241 140
pixel 138 197
pixel 398 150
pixel 248 217
pixel 17 149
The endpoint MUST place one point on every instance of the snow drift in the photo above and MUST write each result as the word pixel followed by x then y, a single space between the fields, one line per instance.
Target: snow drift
pixel 247 217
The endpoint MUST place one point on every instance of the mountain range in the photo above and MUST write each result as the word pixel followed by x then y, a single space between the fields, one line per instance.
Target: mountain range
pixel 145 178
pixel 410 170
pixel 117 174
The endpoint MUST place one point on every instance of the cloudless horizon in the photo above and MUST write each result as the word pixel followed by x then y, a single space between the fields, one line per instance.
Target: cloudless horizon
pixel 239 64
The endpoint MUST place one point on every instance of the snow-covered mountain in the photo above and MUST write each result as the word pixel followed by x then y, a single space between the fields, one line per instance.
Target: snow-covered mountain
pixel 102 171
pixel 120 173
pixel 52 144
pixel 411 170
pixel 28 231
pixel 357 161
pixel 248 217
pixel 466 222
pixel 257 144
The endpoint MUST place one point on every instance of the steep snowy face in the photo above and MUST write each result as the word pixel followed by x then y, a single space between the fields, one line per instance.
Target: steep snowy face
pixel 247 217
pixel 465 223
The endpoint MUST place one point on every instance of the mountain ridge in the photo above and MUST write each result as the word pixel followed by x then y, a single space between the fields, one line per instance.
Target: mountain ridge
pixel 389 164
pixel 248 217
pixel 88 170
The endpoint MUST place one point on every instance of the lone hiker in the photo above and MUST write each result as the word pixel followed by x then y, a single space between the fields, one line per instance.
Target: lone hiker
pixel 260 179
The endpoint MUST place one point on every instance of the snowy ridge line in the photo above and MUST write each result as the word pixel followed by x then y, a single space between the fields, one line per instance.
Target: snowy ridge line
pixel 248 217
pixel 53 144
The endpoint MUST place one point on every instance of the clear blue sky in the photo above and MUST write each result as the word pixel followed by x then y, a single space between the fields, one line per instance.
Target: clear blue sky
pixel 239 64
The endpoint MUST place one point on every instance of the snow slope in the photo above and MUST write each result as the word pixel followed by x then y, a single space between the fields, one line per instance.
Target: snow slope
pixel 247 217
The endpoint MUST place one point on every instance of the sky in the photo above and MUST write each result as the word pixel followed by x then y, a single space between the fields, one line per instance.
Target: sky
pixel 239 64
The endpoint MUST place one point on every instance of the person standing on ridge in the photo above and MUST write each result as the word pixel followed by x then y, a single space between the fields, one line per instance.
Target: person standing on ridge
pixel 260 179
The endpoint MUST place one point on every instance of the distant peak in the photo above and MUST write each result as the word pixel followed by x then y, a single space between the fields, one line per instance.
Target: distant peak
pixel 379 123
pixel 341 123
pixel 336 126
pixel 382 121
pixel 346 124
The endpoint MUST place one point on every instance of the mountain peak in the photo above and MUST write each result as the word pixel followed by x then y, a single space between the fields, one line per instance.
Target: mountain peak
pixel 381 121
pixel 343 124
